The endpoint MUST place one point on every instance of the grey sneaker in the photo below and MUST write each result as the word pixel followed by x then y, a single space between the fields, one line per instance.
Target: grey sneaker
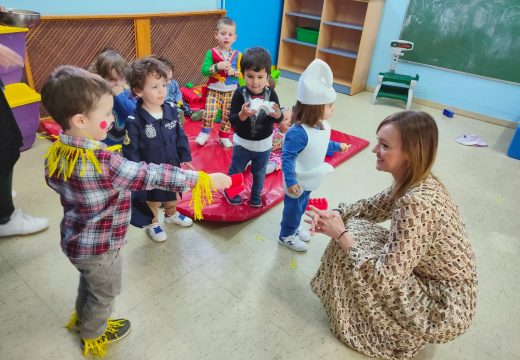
pixel 115 331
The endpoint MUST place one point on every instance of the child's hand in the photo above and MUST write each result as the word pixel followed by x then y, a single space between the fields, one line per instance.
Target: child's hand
pixel 220 181
pixel 187 165
pixel 117 89
pixel 295 190
pixel 344 147
pixel 277 112
pixel 224 65
pixel 245 112
pixel 231 72
pixel 286 122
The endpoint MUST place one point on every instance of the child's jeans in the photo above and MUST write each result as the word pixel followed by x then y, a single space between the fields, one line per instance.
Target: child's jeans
pixel 241 156
pixel 99 284
pixel 293 210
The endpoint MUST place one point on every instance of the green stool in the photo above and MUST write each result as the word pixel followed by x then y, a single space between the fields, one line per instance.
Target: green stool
pixel 395 86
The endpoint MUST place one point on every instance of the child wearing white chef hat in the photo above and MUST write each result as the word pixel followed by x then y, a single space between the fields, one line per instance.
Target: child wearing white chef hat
pixel 305 146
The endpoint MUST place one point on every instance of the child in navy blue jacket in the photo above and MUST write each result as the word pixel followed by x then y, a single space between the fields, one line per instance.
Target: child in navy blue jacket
pixel 154 135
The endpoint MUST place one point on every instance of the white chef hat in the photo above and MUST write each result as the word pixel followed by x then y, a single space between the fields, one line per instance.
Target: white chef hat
pixel 315 84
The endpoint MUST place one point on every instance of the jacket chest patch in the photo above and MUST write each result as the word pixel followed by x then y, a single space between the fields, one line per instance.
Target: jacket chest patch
pixel 149 131
pixel 170 125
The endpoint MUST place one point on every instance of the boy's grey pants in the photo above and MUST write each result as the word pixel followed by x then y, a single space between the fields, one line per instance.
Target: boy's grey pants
pixel 99 284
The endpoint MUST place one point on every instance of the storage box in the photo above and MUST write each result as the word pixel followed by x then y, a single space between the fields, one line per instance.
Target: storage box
pixel 13 38
pixel 25 103
pixel 514 147
pixel 307 34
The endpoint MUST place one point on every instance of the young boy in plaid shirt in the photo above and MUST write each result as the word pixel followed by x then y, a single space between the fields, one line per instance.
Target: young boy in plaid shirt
pixel 94 184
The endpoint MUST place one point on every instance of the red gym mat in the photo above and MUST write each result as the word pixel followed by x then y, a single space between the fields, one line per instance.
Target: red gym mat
pixel 212 157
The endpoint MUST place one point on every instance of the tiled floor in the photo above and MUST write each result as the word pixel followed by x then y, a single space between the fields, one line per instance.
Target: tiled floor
pixel 218 291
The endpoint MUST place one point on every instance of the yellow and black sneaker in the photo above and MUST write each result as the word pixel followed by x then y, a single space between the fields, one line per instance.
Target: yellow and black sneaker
pixel 115 331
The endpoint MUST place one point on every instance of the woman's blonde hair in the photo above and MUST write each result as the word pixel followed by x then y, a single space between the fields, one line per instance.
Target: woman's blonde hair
pixel 309 115
pixel 419 141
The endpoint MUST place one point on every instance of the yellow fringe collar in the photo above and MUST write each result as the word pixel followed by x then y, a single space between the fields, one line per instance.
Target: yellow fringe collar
pixel 63 158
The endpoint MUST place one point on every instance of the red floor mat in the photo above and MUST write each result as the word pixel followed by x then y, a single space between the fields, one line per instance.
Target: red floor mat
pixel 212 157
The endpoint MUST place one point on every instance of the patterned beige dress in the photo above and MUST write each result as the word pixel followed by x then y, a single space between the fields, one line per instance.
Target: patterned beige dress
pixel 397 290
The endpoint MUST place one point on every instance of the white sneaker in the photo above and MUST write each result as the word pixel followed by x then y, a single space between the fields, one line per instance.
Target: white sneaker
pixel 202 138
pixel 293 242
pixel 225 142
pixel 13 194
pixel 178 219
pixel 271 167
pixel 303 234
pixel 23 224
pixel 156 232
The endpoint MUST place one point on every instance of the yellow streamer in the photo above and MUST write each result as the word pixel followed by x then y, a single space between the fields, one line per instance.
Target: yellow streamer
pixel 201 194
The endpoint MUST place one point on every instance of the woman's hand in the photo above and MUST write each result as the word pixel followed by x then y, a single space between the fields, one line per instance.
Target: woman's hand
pixel 325 222
pixel 331 224
pixel 245 112
pixel 9 58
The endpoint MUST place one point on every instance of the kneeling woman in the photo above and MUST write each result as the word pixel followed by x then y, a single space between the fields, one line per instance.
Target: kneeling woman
pixel 390 292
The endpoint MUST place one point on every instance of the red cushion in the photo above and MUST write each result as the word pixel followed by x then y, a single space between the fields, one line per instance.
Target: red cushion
pixel 212 157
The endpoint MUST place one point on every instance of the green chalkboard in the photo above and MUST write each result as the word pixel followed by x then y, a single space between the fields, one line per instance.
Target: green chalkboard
pixel 480 37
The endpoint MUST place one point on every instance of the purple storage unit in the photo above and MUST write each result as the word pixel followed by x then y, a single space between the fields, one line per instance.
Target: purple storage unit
pixel 27 118
pixel 13 38
pixel 25 104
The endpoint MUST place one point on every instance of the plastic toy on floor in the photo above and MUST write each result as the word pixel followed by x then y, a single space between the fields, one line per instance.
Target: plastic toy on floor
pixel 393 85
pixel 319 203
pixel 194 96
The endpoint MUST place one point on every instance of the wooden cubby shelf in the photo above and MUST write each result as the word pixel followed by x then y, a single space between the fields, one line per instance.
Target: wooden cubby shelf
pixel 344 25
pixel 294 41
pixel 339 52
pixel 347 33
pixel 304 15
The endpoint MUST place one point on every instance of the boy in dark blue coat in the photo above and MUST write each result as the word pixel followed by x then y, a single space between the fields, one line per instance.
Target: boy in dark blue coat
pixel 154 135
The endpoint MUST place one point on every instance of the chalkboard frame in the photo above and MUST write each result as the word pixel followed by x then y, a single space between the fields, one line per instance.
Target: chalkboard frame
pixel 442 61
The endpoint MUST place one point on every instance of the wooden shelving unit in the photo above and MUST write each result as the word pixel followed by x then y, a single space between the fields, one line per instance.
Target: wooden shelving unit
pixel 347 33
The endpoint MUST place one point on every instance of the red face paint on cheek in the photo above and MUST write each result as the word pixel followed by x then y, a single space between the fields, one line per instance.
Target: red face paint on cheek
pixel 103 124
